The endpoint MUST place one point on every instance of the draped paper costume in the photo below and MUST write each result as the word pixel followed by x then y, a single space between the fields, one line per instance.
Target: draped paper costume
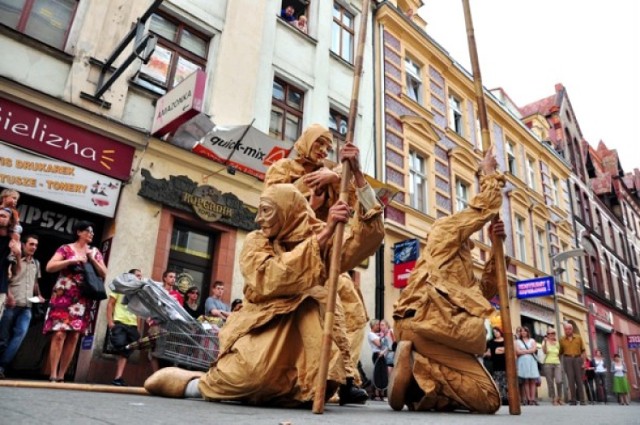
pixel 351 314
pixel 270 350
pixel 443 307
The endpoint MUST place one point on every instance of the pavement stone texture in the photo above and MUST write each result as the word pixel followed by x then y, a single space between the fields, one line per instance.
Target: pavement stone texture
pixel 70 407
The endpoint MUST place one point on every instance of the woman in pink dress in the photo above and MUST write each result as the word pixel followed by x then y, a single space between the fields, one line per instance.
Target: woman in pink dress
pixel 68 313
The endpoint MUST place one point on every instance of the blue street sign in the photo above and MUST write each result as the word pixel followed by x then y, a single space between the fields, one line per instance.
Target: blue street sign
pixel 538 287
pixel 405 251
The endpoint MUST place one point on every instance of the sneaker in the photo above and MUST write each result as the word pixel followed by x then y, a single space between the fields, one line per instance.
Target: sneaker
pixel 119 382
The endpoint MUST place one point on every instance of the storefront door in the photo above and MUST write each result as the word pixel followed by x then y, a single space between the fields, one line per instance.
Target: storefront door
pixel 190 256
pixel 53 224
pixel 602 343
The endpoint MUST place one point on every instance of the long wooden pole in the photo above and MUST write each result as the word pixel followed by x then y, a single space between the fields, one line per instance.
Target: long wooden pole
pixel 496 243
pixel 334 267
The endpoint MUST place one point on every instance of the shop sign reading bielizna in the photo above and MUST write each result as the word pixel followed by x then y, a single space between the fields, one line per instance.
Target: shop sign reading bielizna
pixel 58 181
pixel 50 136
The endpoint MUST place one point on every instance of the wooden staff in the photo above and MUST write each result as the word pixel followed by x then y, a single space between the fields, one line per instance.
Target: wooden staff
pixel 334 267
pixel 73 386
pixel 496 243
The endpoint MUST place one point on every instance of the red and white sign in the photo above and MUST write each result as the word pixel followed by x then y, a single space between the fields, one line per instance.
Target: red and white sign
pixel 179 104
pixel 58 181
pixel 53 137
pixel 401 273
pixel 243 147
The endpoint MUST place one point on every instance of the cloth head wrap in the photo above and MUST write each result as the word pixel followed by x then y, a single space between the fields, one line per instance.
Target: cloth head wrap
pixel 306 139
pixel 293 211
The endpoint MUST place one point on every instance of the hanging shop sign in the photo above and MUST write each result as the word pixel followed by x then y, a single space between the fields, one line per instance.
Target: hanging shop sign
pixel 633 341
pixel 179 104
pixel 243 147
pixel 538 287
pixel 405 255
pixel 50 136
pixel 240 147
pixel 58 181
pixel 207 202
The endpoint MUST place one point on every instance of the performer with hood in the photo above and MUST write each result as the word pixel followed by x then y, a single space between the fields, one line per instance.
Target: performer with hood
pixel 311 173
pixel 439 317
pixel 270 350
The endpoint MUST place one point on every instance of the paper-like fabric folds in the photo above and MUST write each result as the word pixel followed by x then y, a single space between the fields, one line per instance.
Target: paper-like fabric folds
pixel 270 350
pixel 444 305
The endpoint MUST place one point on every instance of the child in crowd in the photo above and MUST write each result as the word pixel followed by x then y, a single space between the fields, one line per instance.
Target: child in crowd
pixel 301 23
pixel 9 199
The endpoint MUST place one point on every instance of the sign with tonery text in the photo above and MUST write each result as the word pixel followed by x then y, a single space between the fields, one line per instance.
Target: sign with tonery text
pixel 538 287
pixel 58 181
pixel 31 129
pixel 633 341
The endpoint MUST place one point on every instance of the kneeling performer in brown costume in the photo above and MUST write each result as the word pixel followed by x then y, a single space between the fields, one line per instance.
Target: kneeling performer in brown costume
pixel 439 317
pixel 270 350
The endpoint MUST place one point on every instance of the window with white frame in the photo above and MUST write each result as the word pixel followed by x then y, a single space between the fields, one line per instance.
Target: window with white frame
pixel 521 239
pixel 338 124
pixel 418 182
pixel 413 80
pixel 295 13
pixel 455 114
pixel 286 111
pixel 531 173
pixel 180 51
pixel 512 163
pixel 555 191
pixel 564 276
pixel 48 21
pixel 342 33
pixel 462 195
pixel 541 245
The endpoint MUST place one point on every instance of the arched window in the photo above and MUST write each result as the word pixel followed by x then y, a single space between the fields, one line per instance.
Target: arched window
pixel 594 272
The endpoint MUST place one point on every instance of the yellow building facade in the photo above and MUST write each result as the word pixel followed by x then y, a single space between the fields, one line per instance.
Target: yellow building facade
pixel 429 144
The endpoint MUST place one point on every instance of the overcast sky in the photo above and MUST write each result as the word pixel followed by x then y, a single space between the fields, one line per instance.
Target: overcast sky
pixel 526 47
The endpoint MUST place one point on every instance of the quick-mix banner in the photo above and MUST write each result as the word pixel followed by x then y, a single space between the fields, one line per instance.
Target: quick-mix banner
pixel 243 147
pixel 58 181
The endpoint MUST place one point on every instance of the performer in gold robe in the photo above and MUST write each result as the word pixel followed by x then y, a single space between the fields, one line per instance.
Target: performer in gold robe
pixel 439 317
pixel 311 173
pixel 270 350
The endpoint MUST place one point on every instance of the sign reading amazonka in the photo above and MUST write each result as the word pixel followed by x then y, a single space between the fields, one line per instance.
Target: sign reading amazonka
pixel 179 104
pixel 207 202
pixel 50 136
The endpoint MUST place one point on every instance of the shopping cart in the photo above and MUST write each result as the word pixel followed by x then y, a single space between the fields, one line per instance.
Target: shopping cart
pixel 180 338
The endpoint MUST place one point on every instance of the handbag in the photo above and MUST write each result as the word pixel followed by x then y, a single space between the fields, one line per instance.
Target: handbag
pixel 93 286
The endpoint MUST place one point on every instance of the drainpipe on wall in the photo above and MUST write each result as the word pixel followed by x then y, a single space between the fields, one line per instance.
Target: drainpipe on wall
pixel 380 281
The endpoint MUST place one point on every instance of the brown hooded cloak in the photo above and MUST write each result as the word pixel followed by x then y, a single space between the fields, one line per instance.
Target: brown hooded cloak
pixel 270 350
pixel 443 307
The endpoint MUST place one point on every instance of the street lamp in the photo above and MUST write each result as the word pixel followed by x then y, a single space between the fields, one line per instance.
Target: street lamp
pixel 556 266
